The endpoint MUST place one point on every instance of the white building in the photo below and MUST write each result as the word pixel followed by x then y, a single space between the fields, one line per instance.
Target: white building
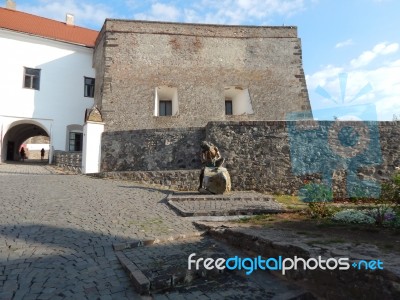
pixel 46 79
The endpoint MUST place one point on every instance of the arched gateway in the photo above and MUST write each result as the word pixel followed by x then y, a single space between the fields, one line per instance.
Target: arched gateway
pixel 13 136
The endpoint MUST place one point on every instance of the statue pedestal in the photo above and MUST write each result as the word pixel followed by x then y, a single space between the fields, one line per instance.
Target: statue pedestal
pixel 217 180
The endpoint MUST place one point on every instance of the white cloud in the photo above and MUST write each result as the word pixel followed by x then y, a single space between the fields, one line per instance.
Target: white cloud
pixel 243 11
pixel 160 12
pixel 392 48
pixel 86 13
pixel 222 11
pixel 345 43
pixel 381 84
pixel 368 56
pixel 323 77
pixel 92 13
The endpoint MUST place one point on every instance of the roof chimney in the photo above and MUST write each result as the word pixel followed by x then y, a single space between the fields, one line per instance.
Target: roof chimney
pixel 69 20
pixel 10 4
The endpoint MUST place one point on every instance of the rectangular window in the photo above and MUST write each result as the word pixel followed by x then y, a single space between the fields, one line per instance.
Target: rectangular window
pixel 228 107
pixel 165 107
pixel 75 141
pixel 32 78
pixel 89 87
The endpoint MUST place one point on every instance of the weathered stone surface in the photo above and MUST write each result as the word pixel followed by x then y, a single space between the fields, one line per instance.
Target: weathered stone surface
pixel 189 204
pixel 353 283
pixel 257 155
pixel 152 149
pixel 93 114
pixel 132 58
pixel 166 267
pixel 217 180
pixel 71 161
pixel 182 180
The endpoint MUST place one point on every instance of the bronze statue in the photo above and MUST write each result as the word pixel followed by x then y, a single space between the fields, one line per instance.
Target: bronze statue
pixel 210 158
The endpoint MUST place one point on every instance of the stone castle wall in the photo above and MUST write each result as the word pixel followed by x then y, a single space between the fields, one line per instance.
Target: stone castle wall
pixel 260 155
pixel 152 149
pixel 132 58
pixel 280 156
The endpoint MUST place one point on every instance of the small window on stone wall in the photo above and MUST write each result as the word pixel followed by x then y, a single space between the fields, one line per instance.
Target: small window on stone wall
pixel 237 101
pixel 228 107
pixel 165 108
pixel 166 101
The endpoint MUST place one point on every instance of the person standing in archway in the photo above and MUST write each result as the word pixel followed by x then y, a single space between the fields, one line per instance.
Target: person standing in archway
pixel 42 154
pixel 22 154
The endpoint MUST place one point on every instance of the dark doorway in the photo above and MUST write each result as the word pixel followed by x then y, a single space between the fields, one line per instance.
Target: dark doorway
pixel 10 150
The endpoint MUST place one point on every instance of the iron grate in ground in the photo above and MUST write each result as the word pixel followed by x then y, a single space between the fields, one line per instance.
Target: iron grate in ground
pixel 189 204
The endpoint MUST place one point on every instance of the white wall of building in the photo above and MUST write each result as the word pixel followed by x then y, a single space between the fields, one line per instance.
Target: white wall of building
pixel 60 100
pixel 38 147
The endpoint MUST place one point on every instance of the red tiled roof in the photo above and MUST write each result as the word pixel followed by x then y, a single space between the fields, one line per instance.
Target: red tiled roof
pixel 46 28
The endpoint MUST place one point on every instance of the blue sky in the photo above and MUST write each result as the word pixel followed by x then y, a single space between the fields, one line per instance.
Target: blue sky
pixel 358 38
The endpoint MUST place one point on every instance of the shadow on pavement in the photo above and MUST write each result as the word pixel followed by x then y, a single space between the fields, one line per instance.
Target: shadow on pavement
pixel 48 262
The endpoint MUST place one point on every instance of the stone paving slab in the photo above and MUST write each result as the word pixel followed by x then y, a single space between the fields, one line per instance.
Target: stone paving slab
pixel 325 284
pixel 189 204
pixel 155 240
pixel 161 270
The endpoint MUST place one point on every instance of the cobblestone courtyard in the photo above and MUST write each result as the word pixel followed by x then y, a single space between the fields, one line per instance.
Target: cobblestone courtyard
pixel 57 231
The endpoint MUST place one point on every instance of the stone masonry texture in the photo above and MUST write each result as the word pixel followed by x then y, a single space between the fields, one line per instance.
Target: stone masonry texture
pixel 71 161
pixel 132 58
pixel 152 149
pixel 258 154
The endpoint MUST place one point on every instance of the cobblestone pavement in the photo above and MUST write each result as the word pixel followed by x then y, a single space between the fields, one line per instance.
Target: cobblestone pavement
pixel 57 231
pixel 164 267
pixel 26 169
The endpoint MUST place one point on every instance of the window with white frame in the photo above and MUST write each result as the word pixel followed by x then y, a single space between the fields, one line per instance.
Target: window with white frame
pixel 75 141
pixel 32 78
pixel 89 87
pixel 237 101
pixel 166 101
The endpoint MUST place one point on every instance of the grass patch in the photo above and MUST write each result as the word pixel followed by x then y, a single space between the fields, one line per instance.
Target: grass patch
pixel 291 202
pixel 258 219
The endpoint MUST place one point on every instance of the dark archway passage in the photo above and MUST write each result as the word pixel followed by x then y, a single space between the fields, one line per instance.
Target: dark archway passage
pixel 15 137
